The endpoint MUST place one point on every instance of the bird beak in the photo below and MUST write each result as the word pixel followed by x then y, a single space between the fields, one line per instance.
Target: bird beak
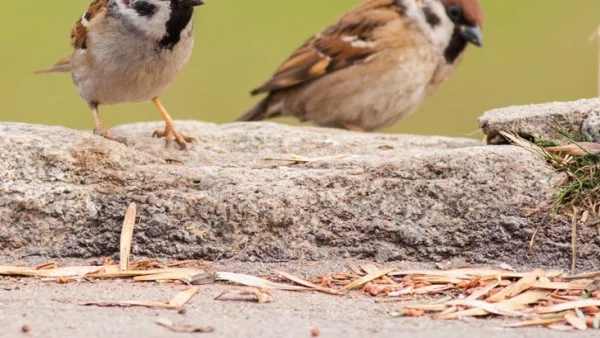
pixel 191 3
pixel 472 34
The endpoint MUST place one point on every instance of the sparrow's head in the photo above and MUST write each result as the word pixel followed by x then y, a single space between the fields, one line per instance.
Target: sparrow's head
pixel 158 19
pixel 467 15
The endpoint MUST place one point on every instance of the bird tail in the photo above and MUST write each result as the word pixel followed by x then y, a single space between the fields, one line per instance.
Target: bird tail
pixel 262 110
pixel 61 66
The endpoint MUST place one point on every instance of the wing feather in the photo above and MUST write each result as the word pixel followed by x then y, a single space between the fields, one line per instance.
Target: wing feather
pixel 347 42
pixel 79 33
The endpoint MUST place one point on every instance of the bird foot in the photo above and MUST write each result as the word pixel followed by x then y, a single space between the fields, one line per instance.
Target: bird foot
pixel 352 127
pixel 102 132
pixel 170 134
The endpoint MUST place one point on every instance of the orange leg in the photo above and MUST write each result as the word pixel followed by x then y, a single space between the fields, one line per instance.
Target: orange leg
pixel 99 128
pixel 170 132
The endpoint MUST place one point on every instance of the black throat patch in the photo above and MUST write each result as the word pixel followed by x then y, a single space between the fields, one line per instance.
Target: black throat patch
pixel 180 18
pixel 456 46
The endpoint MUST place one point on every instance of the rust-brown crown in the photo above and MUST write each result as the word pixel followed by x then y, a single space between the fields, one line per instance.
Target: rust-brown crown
pixel 472 10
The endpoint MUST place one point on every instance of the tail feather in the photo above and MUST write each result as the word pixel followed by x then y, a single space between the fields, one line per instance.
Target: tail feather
pixel 262 110
pixel 61 66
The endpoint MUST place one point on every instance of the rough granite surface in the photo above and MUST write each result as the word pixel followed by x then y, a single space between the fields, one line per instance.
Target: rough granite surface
pixel 63 193
pixel 545 121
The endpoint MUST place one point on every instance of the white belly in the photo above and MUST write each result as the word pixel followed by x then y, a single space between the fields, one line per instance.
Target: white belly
pixel 115 72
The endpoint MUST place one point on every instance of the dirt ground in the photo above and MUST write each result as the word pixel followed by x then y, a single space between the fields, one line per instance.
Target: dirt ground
pixel 48 309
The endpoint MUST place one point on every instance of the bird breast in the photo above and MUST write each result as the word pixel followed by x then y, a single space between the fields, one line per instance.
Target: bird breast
pixel 122 65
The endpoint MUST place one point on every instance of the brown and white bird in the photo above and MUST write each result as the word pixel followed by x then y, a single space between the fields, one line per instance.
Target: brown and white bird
pixel 130 51
pixel 374 65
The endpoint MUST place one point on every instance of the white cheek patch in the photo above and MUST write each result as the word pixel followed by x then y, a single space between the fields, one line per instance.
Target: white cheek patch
pixel 154 26
pixel 84 21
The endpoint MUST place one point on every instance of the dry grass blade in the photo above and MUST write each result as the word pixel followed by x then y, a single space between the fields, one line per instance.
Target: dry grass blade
pixel 309 284
pixel 577 149
pixel 127 236
pixel 535 322
pixel 128 303
pixel 580 304
pixel 257 282
pixel 523 143
pixel 183 327
pixel 365 279
pixel 304 159
pixel 183 297
pixel 261 296
pixel 575 322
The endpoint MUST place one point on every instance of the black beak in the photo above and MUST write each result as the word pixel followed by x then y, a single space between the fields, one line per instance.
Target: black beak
pixel 191 3
pixel 472 34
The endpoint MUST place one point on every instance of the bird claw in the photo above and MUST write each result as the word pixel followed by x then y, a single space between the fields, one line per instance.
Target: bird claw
pixel 102 132
pixel 170 134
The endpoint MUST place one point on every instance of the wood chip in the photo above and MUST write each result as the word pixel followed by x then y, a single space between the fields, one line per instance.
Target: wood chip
pixel 357 284
pixel 72 271
pixel 182 327
pixel 569 306
pixel 483 291
pixel 110 272
pixel 183 297
pixel 432 289
pixel 126 237
pixel 260 295
pixel 257 282
pixel 576 322
pixel 372 268
pixel 475 312
pixel 535 322
pixel 427 307
pixel 496 309
pixel 309 284
pixel 518 287
pixel 557 286
pixel 176 275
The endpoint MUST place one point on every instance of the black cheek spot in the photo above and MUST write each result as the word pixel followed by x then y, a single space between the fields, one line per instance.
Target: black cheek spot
pixel 432 19
pixel 87 16
pixel 144 8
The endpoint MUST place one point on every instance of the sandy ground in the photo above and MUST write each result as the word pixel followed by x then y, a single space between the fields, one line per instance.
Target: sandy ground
pixel 47 309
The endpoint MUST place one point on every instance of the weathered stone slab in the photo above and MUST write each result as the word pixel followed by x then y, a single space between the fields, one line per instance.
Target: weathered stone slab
pixel 392 197
pixel 545 121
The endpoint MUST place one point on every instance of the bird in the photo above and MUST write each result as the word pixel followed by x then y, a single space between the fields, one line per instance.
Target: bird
pixel 130 51
pixel 374 65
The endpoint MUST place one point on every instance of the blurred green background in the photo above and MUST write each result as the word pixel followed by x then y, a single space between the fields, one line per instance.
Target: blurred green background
pixel 535 51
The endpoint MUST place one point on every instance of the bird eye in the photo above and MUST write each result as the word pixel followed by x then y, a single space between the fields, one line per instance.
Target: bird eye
pixel 454 13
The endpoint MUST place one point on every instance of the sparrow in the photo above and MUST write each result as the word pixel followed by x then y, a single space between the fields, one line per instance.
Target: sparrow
pixel 130 51
pixel 374 65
